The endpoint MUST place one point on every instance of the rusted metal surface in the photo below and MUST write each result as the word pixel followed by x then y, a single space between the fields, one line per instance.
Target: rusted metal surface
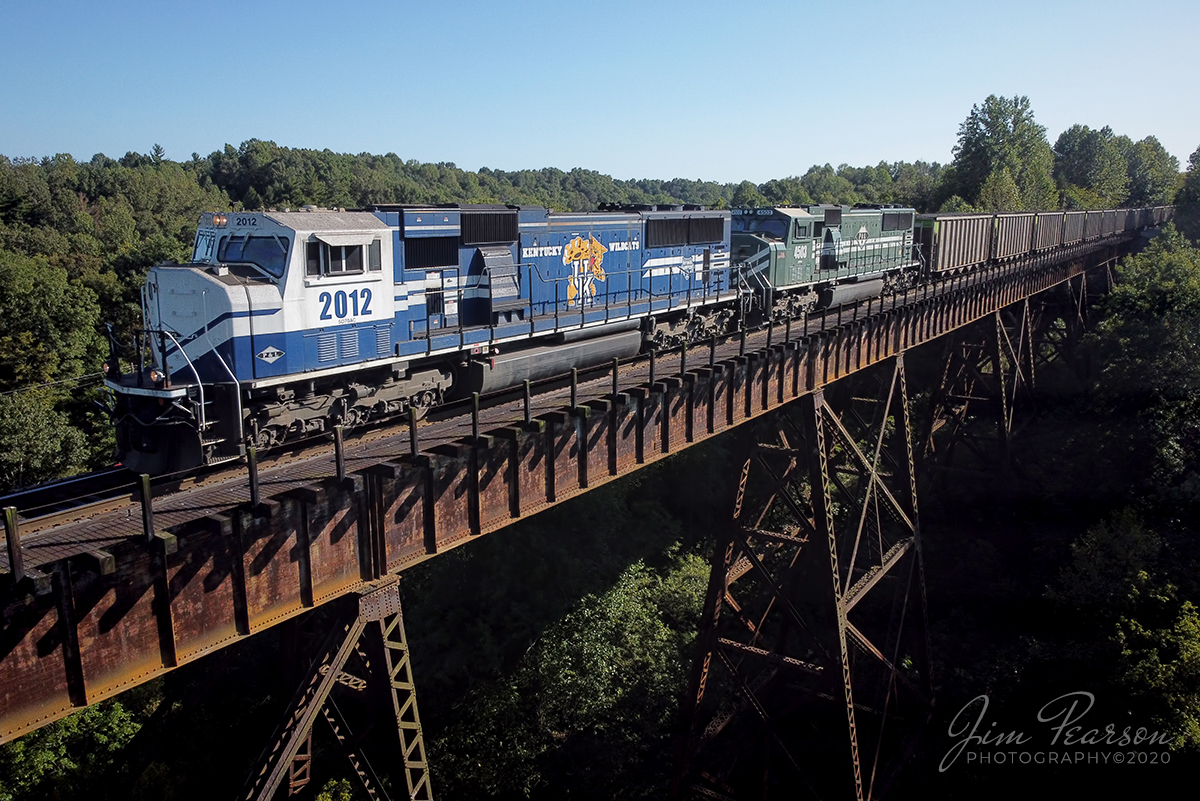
pixel 369 633
pixel 830 494
pixel 988 369
pixel 101 609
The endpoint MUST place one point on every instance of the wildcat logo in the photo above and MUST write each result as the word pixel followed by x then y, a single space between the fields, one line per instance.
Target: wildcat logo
pixel 587 259
pixel 271 355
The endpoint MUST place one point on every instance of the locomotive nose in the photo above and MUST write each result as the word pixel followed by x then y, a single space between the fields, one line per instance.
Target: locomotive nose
pixel 750 252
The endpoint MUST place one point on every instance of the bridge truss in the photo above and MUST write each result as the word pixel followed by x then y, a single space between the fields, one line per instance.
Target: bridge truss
pixel 95 606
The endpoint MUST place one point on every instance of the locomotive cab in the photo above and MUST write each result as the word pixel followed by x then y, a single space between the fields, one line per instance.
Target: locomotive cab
pixel 266 296
pixel 840 252
pixel 782 244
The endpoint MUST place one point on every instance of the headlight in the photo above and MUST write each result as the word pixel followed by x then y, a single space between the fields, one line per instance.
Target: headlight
pixel 156 375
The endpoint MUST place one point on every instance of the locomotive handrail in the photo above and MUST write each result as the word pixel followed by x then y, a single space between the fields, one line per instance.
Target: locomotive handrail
pixel 631 293
pixel 142 337
pixel 186 358
pixel 237 390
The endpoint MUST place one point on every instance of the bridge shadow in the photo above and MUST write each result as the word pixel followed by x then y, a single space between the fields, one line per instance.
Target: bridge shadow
pixel 474 612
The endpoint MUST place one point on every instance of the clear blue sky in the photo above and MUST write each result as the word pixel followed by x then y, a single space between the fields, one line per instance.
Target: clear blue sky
pixel 719 91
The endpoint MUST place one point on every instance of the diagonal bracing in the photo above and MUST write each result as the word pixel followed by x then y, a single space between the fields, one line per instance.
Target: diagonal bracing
pixel 821 575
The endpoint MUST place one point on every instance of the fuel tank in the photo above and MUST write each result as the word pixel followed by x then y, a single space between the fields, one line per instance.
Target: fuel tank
pixel 532 364
pixel 847 293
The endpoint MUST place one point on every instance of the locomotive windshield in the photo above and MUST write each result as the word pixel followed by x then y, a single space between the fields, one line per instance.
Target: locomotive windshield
pixel 767 226
pixel 267 253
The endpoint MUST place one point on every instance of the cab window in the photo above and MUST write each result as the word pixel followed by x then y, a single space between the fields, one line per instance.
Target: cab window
pixel 325 259
pixel 267 253
pixel 767 226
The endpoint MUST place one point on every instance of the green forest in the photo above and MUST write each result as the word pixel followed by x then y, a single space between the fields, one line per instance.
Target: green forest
pixel 550 658
pixel 77 238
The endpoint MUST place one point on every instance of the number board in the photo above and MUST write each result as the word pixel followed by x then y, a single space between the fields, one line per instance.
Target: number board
pixel 344 306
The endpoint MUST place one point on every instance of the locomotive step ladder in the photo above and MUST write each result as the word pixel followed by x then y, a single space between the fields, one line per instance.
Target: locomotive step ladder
pixel 220 434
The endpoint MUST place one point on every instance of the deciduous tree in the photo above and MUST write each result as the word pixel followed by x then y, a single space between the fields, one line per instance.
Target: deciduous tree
pixel 747 194
pixel 48 326
pixel 1188 199
pixel 1153 172
pixel 1090 169
pixel 999 192
pixel 1151 356
pixel 1002 133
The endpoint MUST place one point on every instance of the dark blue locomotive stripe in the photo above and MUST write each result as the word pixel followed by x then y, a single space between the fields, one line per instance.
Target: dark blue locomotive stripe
pixel 216 321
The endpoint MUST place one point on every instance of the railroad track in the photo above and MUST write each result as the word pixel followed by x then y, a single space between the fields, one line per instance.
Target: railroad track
pixel 99 488
pixel 90 495
pixel 87 495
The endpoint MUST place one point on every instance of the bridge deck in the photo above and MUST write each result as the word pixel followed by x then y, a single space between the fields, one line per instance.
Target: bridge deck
pixel 118 611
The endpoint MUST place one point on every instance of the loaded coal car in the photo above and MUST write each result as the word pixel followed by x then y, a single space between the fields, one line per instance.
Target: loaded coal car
pixel 285 324
pixel 796 259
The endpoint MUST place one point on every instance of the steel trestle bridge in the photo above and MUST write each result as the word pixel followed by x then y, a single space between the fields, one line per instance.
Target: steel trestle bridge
pixel 132 589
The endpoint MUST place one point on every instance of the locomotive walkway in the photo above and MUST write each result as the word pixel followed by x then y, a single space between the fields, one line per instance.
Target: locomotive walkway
pixel 105 608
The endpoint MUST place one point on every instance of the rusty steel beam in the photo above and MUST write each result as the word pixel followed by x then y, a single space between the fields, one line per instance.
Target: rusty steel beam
pixel 989 369
pixel 290 749
pixel 375 624
pixel 85 623
pixel 847 601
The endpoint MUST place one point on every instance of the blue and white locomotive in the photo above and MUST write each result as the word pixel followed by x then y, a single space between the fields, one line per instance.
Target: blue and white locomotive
pixel 285 324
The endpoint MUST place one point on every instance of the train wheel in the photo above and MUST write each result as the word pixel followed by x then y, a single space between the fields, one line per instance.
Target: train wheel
pixel 420 403
pixel 267 437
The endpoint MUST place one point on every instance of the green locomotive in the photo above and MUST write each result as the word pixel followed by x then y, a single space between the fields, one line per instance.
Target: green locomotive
pixel 799 258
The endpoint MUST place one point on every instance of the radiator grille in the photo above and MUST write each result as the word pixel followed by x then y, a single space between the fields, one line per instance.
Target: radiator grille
pixel 706 230
pixel 433 251
pixel 897 220
pixel 349 342
pixel 326 347
pixel 666 232
pixel 483 228
pixel 383 341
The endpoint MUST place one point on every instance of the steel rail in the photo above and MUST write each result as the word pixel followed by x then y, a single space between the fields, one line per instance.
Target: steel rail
pixel 120 607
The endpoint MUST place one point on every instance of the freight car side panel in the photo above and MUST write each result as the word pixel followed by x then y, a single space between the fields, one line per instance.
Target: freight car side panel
pixel 1014 235
pixel 960 240
pixel 1073 227
pixel 1048 230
